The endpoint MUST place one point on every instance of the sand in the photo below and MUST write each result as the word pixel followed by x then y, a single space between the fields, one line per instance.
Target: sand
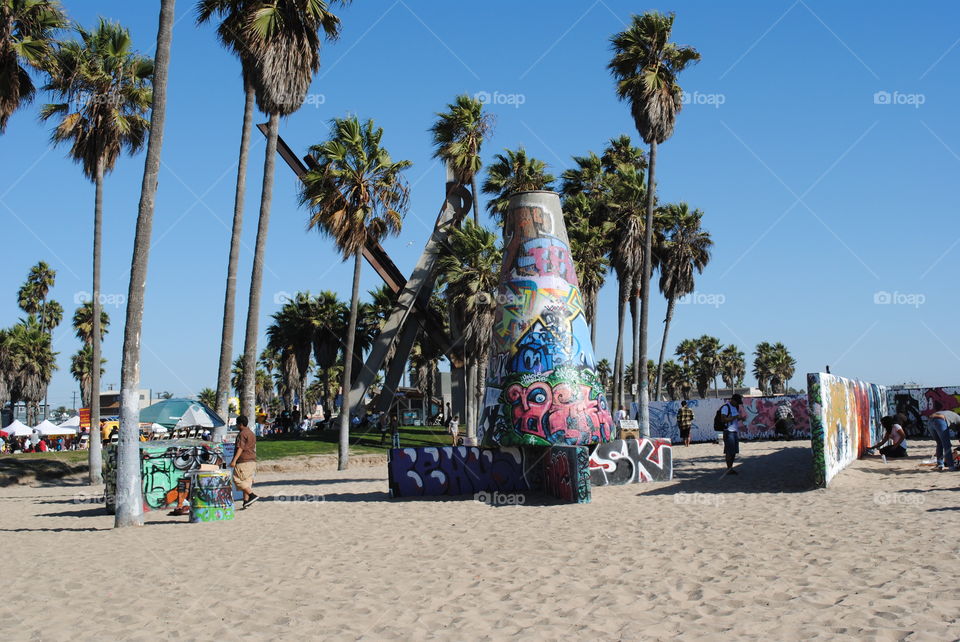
pixel 875 556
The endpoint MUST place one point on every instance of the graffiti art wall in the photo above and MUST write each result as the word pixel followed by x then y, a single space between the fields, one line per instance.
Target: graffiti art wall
pixel 566 472
pixel 844 421
pixel 631 461
pixel 461 470
pixel 761 418
pixel 917 404
pixel 542 384
pixel 162 464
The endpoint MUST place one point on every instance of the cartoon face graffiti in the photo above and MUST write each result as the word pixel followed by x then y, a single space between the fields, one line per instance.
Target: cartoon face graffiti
pixel 530 406
pixel 564 414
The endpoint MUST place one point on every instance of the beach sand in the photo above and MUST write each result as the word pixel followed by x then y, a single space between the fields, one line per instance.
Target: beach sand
pixel 759 555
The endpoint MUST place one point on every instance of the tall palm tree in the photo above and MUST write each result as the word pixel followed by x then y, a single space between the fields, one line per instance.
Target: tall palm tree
pixel 6 367
pixel 424 360
pixel 284 39
pixel 81 367
pixel 458 135
pixel 512 173
pixel 708 363
pixel 329 318
pixel 589 248
pixel 355 194
pixel 676 377
pixel 232 15
pixel 104 89
pixel 83 323
pixel 626 204
pixel 645 66
pixel 762 365
pixel 782 367
pixel 291 337
pixel 603 373
pixel 27 33
pixel 129 498
pixel 686 249
pixel 687 352
pixel 32 362
pixel 470 270
pixel 732 367
pixel 207 396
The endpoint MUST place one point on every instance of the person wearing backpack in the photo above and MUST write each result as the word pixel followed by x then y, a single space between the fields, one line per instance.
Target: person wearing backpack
pixel 730 417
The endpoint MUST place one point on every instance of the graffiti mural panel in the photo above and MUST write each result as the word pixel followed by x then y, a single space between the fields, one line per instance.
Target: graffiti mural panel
pixel 566 473
pixel 162 464
pixel 761 419
pixel 917 404
pixel 844 419
pixel 631 461
pixel 461 470
pixel 542 384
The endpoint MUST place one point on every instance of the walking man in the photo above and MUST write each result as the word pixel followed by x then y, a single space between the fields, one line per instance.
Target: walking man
pixel 244 462
pixel 685 422
pixel 732 414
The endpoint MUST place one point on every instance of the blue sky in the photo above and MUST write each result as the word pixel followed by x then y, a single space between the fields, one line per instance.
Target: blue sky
pixel 822 195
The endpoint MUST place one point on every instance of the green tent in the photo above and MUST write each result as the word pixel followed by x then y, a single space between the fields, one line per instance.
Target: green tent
pixel 168 412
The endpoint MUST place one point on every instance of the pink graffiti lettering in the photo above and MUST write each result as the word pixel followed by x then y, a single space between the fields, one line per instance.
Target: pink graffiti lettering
pixel 530 405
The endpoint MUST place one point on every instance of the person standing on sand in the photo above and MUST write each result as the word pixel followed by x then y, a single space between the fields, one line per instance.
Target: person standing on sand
pixel 395 430
pixel 454 429
pixel 244 462
pixel 733 415
pixel 685 422
pixel 940 423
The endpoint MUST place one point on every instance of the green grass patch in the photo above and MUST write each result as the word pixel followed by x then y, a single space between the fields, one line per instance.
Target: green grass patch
pixel 362 441
pixel 66 456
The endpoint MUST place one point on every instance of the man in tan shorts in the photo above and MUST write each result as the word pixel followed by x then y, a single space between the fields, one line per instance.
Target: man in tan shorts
pixel 245 461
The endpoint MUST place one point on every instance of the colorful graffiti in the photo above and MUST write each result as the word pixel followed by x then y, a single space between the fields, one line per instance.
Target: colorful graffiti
pixel 566 473
pixel 162 464
pixel 917 404
pixel 211 499
pixel 844 421
pixel 542 384
pixel 461 470
pixel 760 424
pixel 631 461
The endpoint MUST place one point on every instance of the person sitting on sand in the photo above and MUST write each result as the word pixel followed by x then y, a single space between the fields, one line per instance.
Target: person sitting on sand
pixel 940 424
pixel 895 435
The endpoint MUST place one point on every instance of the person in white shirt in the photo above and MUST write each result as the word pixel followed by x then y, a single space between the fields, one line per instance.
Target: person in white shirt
pixel 895 435
pixel 733 414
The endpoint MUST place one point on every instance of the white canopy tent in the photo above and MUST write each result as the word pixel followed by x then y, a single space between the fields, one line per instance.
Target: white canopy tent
pixel 17 429
pixel 157 428
pixel 195 416
pixel 49 429
pixel 72 422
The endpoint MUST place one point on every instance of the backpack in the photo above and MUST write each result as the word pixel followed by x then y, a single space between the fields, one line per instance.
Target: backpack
pixel 719 425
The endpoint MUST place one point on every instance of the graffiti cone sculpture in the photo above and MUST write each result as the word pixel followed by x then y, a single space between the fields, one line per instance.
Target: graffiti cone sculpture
pixel 542 383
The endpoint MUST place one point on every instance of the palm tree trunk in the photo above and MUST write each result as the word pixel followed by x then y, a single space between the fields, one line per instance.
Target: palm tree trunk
pixel 663 344
pixel 344 454
pixel 618 357
pixel 593 323
pixel 635 366
pixel 129 495
pixel 95 458
pixel 229 302
pixel 476 200
pixel 645 293
pixel 248 405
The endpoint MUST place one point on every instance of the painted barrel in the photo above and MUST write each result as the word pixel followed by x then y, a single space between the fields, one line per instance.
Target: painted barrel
pixel 211 499
pixel 542 385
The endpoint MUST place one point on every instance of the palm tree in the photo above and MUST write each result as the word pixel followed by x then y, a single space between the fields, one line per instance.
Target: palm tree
pixel 708 363
pixel 83 323
pixel 291 337
pixel 81 367
pixel 232 15
pixel 470 270
pixel 458 135
pixel 626 205
pixel 782 367
pixel 762 370
pixel 603 373
pixel 104 91
pixel 356 194
pixel 687 352
pixel 129 497
pixel 329 317
pixel 32 364
pixel 686 249
pixel 6 368
pixel 207 396
pixel 732 367
pixel 677 380
pixel 424 360
pixel 512 173
pixel 27 33
pixel 283 38
pixel 589 247
pixel 645 66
